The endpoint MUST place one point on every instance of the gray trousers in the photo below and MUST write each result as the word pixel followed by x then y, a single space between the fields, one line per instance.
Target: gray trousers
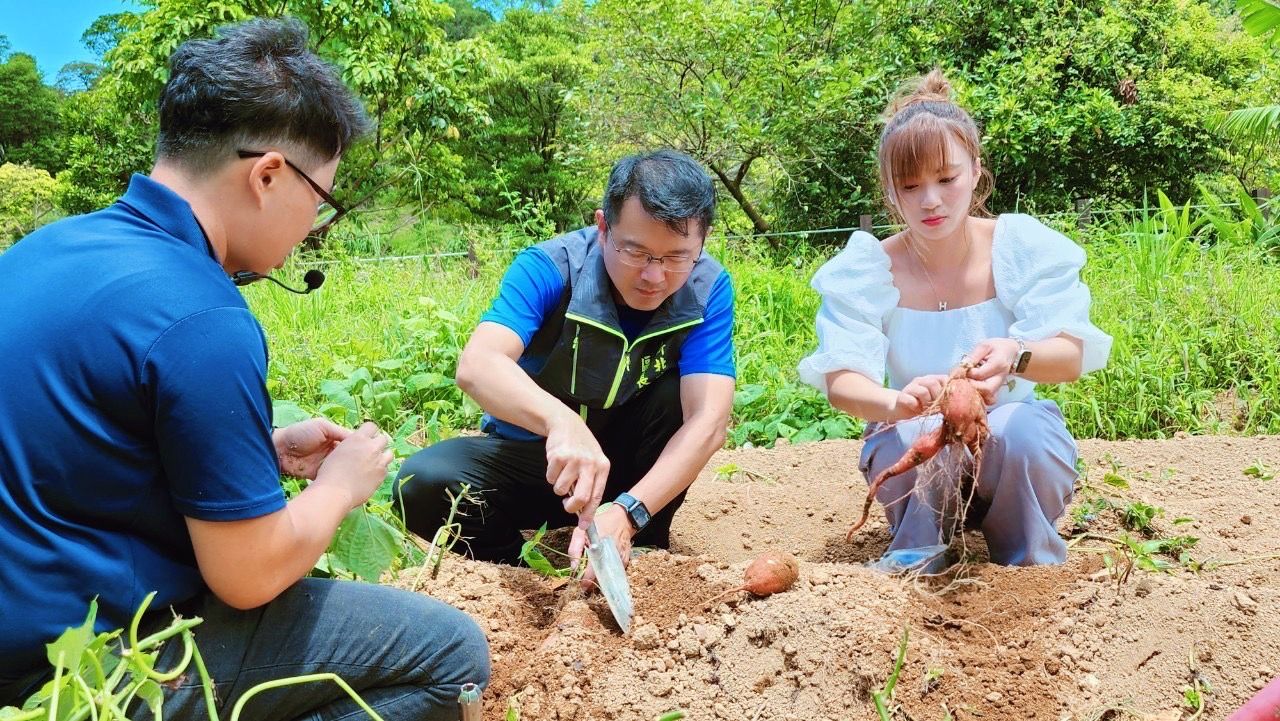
pixel 1028 472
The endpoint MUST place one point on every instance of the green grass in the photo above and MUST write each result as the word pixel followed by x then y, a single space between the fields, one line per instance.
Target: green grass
pixel 1192 299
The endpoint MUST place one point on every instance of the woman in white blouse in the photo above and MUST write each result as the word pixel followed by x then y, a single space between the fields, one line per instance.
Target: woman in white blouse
pixel 1003 292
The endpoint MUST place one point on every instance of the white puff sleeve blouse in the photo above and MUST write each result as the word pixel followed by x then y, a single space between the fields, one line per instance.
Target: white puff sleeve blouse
pixel 1038 295
pixel 1037 274
pixel 857 295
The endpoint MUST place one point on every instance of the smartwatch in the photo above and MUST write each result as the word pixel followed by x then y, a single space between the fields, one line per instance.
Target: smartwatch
pixel 1021 360
pixel 635 509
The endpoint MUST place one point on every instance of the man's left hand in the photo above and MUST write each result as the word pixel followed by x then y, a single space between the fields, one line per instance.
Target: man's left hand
pixel 303 446
pixel 613 523
pixel 992 359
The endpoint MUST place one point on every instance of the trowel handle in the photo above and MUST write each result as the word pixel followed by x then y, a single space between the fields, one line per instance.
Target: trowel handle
pixel 469 702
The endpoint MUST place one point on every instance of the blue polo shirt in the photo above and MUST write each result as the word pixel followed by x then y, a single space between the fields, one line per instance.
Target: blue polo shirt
pixel 132 394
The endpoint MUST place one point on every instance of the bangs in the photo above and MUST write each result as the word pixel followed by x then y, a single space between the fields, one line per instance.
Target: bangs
pixel 919 146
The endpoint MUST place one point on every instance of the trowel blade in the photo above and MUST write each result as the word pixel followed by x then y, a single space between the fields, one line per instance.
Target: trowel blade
pixel 611 575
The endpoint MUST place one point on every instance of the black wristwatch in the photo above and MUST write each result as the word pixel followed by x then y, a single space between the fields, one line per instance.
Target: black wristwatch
pixel 1021 360
pixel 635 509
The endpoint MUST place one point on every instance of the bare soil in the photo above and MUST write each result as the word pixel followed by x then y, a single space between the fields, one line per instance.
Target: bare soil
pixel 1077 641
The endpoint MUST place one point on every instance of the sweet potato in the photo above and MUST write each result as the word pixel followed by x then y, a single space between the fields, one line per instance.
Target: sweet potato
pixel 964 421
pixel 771 572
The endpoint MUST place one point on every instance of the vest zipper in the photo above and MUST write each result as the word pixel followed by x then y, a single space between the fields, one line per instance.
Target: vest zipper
pixel 626 347
pixel 573 376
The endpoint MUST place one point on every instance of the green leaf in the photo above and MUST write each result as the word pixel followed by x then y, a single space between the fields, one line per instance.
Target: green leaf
pixel 426 381
pixel 285 413
pixel 366 544
pixel 747 394
pixel 1259 125
pixel 1112 479
pixel 339 413
pixel 65 652
pixel 1259 471
pixel 1260 17
pixel 534 559
pixel 151 693
pixel 360 378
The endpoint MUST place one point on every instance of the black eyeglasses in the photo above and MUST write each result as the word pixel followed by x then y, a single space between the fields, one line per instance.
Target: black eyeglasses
pixel 327 212
pixel 677 264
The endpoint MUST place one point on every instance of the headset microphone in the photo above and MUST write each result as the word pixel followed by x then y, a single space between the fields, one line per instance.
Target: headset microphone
pixel 313 278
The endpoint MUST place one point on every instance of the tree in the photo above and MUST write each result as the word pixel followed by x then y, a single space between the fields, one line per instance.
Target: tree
pixel 28 113
pixel 106 32
pixel 393 54
pixel 77 75
pixel 1076 99
pixel 530 149
pixel 467 21
pixel 711 78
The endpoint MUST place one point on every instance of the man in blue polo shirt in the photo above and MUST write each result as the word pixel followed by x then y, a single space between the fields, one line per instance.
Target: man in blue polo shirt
pixel 605 369
pixel 136 447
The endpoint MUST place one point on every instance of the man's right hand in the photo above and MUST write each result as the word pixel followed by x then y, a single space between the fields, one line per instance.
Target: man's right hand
pixel 357 465
pixel 577 468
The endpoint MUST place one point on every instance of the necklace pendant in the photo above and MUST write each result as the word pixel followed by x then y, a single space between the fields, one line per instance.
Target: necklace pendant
pixel 942 305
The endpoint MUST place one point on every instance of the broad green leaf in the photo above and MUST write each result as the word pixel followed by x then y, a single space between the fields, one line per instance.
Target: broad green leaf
pixel 1261 18
pixel 284 413
pixel 366 544
pixel 1112 479
pixel 747 394
pixel 65 652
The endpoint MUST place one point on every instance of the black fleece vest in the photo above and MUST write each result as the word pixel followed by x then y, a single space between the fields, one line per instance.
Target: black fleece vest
pixel 581 355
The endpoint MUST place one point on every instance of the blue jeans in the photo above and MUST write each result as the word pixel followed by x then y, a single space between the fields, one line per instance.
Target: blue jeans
pixel 405 654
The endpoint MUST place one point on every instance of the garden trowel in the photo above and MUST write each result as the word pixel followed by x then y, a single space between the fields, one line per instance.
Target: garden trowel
pixel 611 576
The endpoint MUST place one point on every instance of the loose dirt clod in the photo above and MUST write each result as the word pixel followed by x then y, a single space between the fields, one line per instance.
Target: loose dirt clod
pixel 964 420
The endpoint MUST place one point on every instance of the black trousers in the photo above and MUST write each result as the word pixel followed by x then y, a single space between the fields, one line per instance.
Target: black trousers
pixel 510 477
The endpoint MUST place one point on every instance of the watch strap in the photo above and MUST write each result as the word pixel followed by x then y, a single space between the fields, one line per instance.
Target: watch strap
pixel 636 510
pixel 1022 359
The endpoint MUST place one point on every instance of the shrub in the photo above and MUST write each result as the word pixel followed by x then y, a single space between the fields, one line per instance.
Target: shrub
pixel 26 196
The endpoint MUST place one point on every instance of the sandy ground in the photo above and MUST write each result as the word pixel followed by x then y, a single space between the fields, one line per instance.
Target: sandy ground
pixel 1077 641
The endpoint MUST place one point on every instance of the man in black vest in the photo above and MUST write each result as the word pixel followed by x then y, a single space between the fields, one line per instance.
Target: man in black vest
pixel 605 370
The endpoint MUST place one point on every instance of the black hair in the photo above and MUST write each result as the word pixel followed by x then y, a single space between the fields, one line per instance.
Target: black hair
pixel 672 187
pixel 256 83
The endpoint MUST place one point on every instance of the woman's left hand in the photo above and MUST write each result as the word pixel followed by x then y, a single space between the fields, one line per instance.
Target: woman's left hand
pixel 992 359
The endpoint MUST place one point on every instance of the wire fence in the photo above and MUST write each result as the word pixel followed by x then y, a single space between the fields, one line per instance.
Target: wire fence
pixel 1083 216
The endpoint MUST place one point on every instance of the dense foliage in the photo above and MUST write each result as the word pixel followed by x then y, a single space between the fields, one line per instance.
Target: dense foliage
pixel 492 114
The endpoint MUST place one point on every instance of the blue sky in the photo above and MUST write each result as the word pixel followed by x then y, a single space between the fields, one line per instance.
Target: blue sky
pixel 50 29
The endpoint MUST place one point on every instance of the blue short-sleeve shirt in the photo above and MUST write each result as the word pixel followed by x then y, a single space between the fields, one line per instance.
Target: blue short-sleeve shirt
pixel 132 395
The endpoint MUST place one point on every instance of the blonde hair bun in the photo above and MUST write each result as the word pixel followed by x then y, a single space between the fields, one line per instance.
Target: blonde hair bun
pixel 933 87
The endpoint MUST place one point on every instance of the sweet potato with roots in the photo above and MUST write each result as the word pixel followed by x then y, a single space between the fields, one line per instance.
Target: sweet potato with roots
pixel 964 421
